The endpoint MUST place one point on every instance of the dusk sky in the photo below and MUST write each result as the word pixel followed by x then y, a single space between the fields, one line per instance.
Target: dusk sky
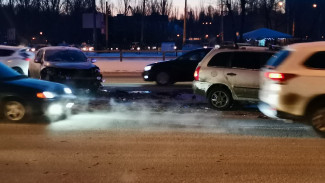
pixel 181 3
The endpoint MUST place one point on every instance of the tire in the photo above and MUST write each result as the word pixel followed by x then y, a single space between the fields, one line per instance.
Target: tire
pixel 318 120
pixel 163 79
pixel 14 111
pixel 220 98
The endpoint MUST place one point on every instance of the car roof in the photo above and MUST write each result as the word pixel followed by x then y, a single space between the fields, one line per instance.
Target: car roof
pixel 244 49
pixel 59 48
pixel 310 46
pixel 14 48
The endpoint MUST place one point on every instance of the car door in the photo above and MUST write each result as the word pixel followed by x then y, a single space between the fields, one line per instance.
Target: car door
pixel 185 65
pixel 243 74
pixel 5 57
pixel 35 68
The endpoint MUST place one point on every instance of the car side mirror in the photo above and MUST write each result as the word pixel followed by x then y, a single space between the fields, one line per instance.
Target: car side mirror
pixel 92 60
pixel 37 61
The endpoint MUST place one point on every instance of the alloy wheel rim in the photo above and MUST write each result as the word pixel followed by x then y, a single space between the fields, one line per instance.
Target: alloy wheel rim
pixel 219 99
pixel 14 111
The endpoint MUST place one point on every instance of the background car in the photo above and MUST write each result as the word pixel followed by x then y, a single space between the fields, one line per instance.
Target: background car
pixel 180 69
pixel 16 57
pixel 66 65
pixel 22 97
pixel 292 84
pixel 225 75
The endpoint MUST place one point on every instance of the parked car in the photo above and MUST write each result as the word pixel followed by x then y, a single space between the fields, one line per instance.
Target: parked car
pixel 22 97
pixel 225 75
pixel 16 57
pixel 292 84
pixel 66 65
pixel 180 69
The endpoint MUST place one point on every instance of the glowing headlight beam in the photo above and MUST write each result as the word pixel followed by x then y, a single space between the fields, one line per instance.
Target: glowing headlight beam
pixel 67 90
pixel 147 68
pixel 45 94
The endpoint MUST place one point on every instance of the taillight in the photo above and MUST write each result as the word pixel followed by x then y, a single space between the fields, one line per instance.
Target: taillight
pixel 196 73
pixel 280 77
pixel 27 59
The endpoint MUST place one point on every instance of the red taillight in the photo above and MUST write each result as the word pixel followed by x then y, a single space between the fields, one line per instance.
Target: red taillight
pixel 281 77
pixel 27 59
pixel 196 73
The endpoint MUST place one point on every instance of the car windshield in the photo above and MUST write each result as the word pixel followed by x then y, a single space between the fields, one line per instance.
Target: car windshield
pixel 65 56
pixel 8 73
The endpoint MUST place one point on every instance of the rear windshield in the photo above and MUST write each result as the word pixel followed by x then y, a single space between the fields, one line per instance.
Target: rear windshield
pixel 65 56
pixel 278 58
pixel 23 53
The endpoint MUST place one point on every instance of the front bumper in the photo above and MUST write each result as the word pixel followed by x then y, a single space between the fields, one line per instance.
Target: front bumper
pixel 52 107
pixel 147 76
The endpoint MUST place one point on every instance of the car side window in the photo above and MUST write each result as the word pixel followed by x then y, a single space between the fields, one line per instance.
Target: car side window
pixel 6 53
pixel 246 60
pixel 316 61
pixel 221 59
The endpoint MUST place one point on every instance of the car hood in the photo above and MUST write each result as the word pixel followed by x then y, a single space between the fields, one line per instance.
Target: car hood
pixel 37 84
pixel 70 65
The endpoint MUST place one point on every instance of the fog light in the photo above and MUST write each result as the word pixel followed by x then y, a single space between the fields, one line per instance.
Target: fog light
pixel 55 109
pixel 69 105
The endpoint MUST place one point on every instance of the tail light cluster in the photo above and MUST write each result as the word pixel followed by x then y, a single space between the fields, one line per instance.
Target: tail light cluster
pixel 196 73
pixel 280 77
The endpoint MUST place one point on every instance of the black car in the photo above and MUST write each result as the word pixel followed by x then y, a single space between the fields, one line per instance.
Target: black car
pixel 180 69
pixel 22 97
pixel 66 65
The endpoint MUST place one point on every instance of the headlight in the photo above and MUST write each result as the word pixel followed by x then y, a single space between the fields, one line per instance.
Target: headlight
pixel 67 90
pixel 45 94
pixel 147 68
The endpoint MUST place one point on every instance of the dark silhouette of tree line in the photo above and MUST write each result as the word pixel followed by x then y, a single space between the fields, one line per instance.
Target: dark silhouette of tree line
pixel 150 22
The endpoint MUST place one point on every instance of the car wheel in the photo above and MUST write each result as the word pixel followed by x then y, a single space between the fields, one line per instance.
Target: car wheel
pixel 14 111
pixel 163 78
pixel 220 99
pixel 318 120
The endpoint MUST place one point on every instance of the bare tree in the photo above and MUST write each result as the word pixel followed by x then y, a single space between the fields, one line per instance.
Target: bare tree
pixel 242 22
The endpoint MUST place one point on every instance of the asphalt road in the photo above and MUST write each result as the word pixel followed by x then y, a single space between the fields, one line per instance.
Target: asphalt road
pixel 139 132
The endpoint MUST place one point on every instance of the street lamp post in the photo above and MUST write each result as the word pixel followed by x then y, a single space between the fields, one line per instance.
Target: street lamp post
pixel 106 23
pixel 185 18
pixel 221 27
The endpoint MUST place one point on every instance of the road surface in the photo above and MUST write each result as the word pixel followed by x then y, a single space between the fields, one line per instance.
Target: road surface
pixel 138 132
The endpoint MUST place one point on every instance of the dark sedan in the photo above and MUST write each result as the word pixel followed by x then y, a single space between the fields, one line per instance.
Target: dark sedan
pixel 66 65
pixel 180 69
pixel 22 97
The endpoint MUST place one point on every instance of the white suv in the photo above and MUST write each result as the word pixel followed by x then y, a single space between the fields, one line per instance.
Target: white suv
pixel 16 57
pixel 293 84
pixel 225 75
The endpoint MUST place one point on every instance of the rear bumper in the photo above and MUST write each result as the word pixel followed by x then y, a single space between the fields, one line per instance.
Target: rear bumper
pixel 277 114
pixel 200 88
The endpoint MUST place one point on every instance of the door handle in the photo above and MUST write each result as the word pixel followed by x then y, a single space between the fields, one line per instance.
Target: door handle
pixel 231 74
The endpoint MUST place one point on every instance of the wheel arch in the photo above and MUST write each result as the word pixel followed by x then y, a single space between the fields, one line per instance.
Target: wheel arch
pixel 316 102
